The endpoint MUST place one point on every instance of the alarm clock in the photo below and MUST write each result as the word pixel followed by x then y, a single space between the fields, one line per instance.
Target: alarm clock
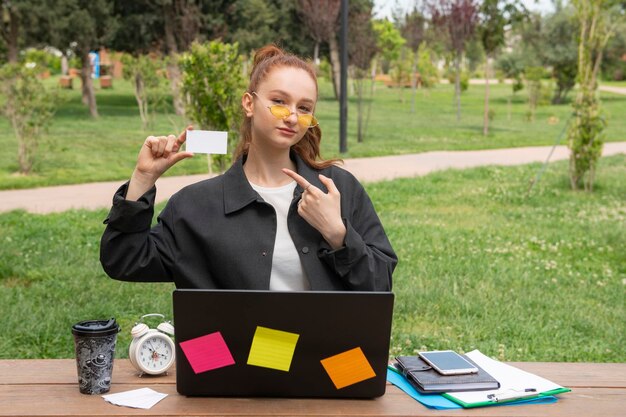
pixel 152 351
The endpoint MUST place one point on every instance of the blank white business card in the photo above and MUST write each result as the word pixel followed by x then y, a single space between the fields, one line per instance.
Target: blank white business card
pixel 207 141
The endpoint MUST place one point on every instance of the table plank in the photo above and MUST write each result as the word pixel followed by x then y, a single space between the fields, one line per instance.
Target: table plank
pixel 63 371
pixel 584 375
pixel 65 400
pixel 49 388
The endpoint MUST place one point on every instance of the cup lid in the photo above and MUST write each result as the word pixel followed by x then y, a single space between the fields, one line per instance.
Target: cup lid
pixel 96 327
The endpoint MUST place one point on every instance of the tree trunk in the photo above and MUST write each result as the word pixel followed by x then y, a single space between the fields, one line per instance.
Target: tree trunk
pixel 24 157
pixel 175 81
pixel 13 37
pixel 486 115
pixel 457 85
pixel 141 102
pixel 172 66
pixel 414 82
pixel 89 96
pixel 372 87
pixel 508 108
pixel 359 86
pixel 64 65
pixel 335 63
pixel 316 54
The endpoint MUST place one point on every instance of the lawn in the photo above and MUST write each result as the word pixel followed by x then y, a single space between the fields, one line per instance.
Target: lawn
pixel 481 266
pixel 80 149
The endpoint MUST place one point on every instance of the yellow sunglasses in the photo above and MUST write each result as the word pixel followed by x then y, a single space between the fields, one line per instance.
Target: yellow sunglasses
pixel 280 111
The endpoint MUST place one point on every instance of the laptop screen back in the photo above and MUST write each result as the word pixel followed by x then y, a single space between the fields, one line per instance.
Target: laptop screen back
pixel 282 344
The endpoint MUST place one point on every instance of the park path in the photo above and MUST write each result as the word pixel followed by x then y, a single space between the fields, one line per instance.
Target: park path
pixel 98 195
pixel 611 89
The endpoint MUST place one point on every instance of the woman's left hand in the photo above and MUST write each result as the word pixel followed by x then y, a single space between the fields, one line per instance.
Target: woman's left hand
pixel 321 210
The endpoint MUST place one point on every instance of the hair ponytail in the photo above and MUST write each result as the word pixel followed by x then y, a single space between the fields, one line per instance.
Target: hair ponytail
pixel 265 59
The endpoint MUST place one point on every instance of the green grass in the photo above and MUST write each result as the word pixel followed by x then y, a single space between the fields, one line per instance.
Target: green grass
pixel 481 266
pixel 80 149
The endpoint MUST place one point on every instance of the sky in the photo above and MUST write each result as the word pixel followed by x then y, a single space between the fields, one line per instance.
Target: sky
pixel 383 8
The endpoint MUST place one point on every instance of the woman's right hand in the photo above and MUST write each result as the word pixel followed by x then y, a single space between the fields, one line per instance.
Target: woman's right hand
pixel 157 155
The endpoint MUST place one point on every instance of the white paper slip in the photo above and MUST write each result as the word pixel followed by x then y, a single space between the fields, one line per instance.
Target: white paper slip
pixel 206 141
pixel 138 398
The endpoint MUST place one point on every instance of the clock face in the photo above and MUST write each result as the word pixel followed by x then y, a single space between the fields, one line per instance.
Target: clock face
pixel 155 354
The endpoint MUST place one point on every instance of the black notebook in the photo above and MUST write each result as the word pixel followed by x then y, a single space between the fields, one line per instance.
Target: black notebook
pixel 428 381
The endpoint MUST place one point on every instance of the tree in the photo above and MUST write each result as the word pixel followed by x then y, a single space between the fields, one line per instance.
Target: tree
pixel 144 73
pixel 412 30
pixel 389 40
pixel 361 51
pixel 457 18
pixel 429 75
pixel 585 138
pixel 212 83
pixel 512 66
pixel 10 28
pixel 29 108
pixel 613 62
pixel 533 76
pixel 83 26
pixel 166 27
pixel 20 23
pixel 560 50
pixel 321 18
pixel 181 24
pixel 495 15
pixel 252 24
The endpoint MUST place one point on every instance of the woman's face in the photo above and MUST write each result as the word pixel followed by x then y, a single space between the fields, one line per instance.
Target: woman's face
pixel 287 86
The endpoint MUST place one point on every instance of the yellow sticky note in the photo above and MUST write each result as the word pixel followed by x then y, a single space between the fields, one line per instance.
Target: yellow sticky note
pixel 348 368
pixel 272 348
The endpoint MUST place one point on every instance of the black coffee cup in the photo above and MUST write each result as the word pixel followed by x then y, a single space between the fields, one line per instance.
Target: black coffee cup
pixel 94 342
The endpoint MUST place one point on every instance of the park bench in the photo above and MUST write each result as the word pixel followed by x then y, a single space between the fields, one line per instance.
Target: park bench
pixel 66 81
pixel 106 81
pixel 38 387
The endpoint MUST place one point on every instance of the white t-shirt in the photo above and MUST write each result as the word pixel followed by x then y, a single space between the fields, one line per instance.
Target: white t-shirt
pixel 287 272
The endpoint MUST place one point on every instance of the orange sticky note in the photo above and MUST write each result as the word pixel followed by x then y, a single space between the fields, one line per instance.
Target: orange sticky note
pixel 348 368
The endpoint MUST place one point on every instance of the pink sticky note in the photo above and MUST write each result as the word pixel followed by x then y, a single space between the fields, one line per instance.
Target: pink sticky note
pixel 208 352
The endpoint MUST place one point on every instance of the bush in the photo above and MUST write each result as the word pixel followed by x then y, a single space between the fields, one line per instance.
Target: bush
pixel 451 76
pixel 29 108
pixel 212 83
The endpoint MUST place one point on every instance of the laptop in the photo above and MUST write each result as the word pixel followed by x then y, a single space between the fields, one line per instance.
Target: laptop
pixel 282 344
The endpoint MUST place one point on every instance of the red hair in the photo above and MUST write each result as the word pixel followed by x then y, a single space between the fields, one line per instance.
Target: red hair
pixel 266 59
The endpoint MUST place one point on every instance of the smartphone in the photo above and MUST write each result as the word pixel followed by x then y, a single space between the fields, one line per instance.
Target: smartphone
pixel 448 362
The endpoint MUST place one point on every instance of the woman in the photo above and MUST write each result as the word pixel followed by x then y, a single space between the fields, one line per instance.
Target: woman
pixel 278 219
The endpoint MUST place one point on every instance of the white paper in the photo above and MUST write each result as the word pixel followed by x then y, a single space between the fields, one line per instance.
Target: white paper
pixel 138 398
pixel 512 380
pixel 206 141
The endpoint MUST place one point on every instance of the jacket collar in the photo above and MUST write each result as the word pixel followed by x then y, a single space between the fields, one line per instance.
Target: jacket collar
pixel 238 192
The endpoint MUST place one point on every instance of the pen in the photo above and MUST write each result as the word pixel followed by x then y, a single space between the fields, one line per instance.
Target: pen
pixel 528 392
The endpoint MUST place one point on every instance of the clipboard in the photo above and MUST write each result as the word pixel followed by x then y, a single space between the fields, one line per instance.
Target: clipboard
pixel 515 385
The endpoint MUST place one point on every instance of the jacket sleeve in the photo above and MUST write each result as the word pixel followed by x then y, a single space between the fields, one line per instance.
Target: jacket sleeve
pixel 367 260
pixel 129 249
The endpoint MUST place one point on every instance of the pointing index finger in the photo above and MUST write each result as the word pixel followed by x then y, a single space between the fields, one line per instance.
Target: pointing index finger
pixel 302 182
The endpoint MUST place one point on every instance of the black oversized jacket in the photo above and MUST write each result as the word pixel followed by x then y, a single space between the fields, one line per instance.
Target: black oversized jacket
pixel 219 233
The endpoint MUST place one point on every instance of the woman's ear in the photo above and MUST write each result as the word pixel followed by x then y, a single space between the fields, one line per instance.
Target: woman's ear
pixel 247 103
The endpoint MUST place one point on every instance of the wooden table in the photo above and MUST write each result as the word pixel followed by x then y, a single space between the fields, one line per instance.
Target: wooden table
pixel 48 387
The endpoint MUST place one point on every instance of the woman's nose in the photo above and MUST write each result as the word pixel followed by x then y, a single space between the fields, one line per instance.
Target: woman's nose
pixel 292 118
